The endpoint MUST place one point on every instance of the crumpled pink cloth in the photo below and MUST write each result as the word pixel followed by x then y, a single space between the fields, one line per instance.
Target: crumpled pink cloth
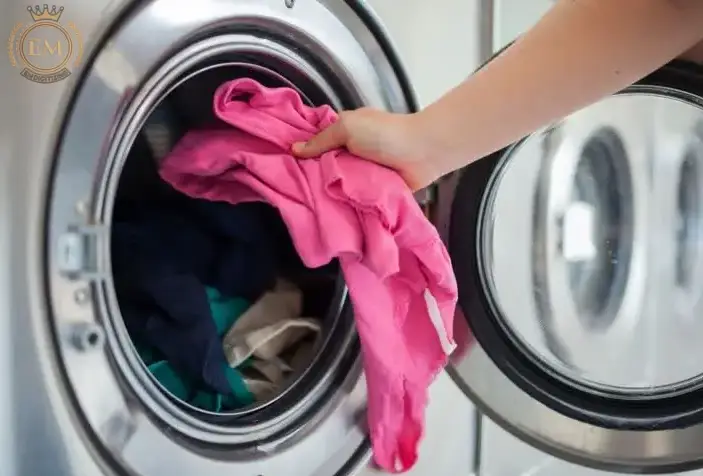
pixel 397 270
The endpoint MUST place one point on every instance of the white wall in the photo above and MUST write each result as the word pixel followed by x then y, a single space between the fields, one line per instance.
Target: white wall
pixel 513 17
pixel 437 40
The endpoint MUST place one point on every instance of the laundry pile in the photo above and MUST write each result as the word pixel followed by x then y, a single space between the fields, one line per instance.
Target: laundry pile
pixel 336 206
pixel 202 294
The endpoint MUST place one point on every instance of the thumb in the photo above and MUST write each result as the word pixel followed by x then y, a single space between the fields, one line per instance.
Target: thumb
pixel 331 138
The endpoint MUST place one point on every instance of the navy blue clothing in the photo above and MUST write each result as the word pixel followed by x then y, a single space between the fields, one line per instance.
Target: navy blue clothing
pixel 165 253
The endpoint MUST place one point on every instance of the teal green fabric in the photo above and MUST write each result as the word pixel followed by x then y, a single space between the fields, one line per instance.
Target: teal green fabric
pixel 214 402
pixel 241 396
pixel 225 312
pixel 170 380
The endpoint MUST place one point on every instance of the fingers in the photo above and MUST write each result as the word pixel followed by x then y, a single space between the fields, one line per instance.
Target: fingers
pixel 331 138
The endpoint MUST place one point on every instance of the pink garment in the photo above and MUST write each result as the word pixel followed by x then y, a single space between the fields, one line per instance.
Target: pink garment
pixel 397 270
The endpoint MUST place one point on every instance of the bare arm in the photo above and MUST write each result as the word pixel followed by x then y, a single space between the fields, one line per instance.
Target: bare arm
pixel 580 51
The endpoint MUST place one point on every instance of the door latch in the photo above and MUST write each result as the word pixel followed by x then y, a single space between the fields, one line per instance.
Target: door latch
pixel 80 252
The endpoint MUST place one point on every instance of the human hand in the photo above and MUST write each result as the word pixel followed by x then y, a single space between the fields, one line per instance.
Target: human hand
pixel 393 140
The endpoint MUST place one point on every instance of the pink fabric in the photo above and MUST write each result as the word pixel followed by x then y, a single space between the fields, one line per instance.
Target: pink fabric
pixel 338 206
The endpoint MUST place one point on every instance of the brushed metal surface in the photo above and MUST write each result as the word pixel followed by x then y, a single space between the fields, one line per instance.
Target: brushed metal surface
pixel 67 412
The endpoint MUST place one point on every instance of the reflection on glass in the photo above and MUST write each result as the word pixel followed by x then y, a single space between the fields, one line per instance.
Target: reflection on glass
pixel 602 206
pixel 688 233
pixel 592 246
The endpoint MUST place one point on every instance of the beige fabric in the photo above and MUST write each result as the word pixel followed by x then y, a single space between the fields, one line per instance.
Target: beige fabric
pixel 274 373
pixel 268 328
pixel 269 341
pixel 274 370
pixel 303 354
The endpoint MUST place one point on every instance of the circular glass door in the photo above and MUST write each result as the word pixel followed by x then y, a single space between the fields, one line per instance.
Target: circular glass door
pixel 582 236
pixel 689 233
pixel 597 231
pixel 578 258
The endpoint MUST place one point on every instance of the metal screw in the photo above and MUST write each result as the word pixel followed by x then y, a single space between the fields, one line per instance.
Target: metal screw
pixel 290 3
pixel 87 336
pixel 81 296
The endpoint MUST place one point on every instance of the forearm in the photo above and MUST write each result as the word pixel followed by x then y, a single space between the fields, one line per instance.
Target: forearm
pixel 580 51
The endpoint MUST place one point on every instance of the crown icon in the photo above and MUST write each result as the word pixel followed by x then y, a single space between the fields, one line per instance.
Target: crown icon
pixel 44 13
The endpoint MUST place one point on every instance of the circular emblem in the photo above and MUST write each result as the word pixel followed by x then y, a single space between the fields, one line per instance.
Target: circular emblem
pixel 45 50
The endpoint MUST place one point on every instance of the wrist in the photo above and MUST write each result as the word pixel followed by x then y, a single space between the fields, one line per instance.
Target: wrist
pixel 429 152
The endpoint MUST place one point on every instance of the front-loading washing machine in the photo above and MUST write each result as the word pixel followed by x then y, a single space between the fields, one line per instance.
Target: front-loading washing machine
pixel 578 261
pixel 555 200
pixel 577 251
pixel 94 93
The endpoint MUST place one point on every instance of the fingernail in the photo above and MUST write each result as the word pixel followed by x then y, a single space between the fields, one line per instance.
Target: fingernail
pixel 298 147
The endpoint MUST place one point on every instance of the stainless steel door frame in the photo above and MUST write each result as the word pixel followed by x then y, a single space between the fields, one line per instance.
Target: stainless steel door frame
pixel 69 412
pixel 623 438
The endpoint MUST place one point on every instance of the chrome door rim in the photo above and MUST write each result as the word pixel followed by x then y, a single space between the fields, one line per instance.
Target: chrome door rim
pixel 588 436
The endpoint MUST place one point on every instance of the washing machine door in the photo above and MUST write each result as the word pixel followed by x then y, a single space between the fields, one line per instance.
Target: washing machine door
pixel 89 110
pixel 579 260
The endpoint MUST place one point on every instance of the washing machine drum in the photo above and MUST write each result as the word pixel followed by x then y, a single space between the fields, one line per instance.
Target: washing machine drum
pixel 578 254
pixel 106 407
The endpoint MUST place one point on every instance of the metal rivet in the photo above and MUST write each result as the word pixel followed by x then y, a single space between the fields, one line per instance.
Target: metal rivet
pixel 81 296
pixel 290 3
pixel 87 336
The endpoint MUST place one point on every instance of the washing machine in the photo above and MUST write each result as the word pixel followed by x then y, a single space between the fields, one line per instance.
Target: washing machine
pixel 577 254
pixel 86 81
pixel 94 93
